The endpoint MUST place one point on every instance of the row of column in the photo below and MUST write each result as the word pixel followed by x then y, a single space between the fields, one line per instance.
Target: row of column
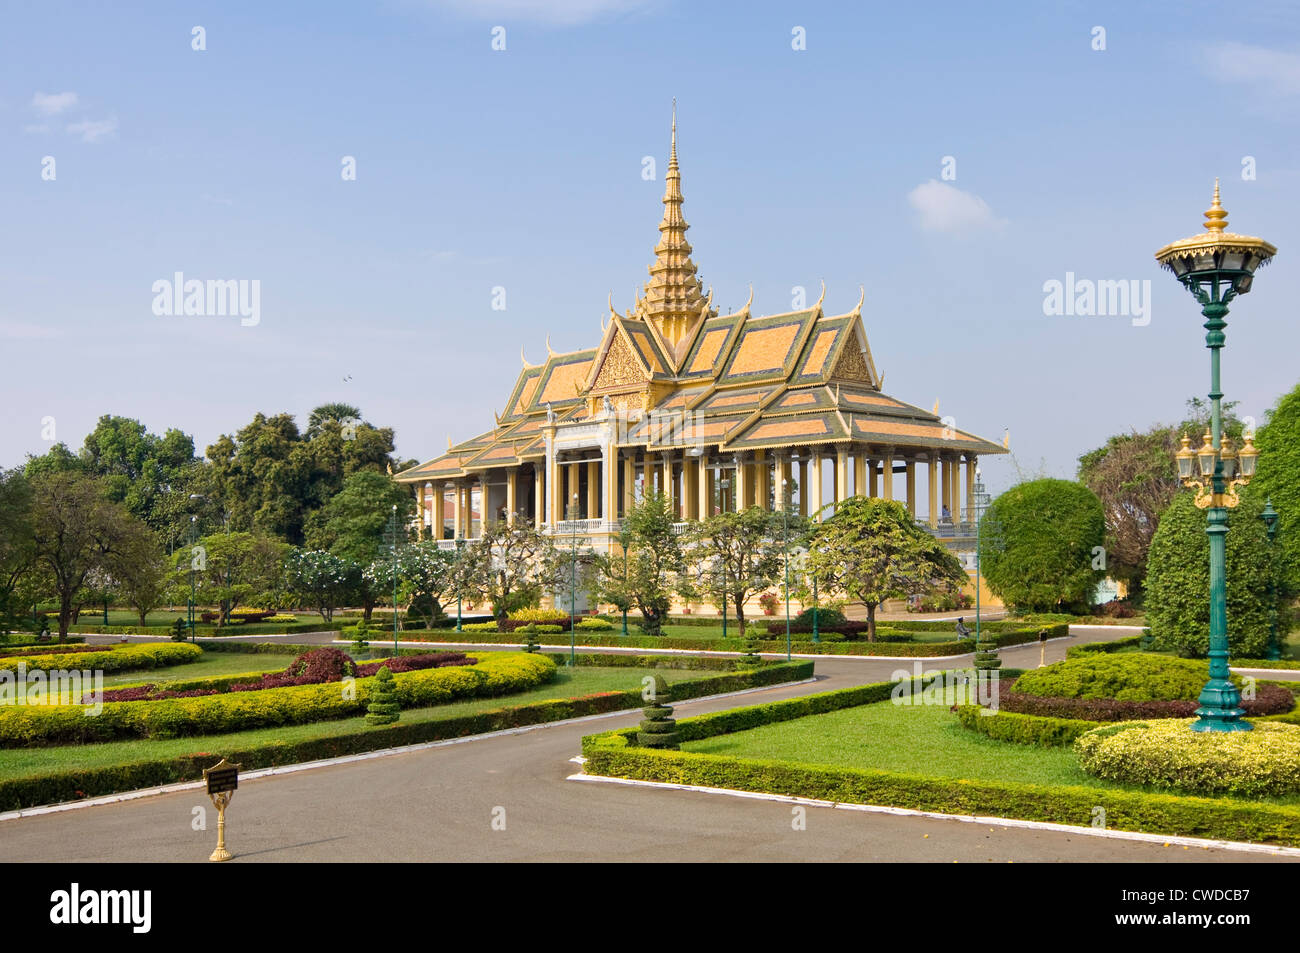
pixel 694 486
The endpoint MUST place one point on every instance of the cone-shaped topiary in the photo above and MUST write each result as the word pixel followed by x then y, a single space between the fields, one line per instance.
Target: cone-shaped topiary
pixel 383 708
pixel 530 630
pixel 659 728
pixel 750 644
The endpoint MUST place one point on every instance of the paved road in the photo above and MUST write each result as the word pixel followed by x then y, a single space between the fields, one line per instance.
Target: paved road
pixel 439 805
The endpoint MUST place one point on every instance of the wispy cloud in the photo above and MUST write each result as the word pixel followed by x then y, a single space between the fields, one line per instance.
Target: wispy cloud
pixel 559 12
pixel 1269 72
pixel 946 208
pixel 23 331
pixel 51 104
pixel 92 130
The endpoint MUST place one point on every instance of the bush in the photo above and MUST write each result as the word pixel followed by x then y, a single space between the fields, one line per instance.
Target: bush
pixel 480 627
pixel 110 658
pixel 1125 677
pixel 1264 762
pixel 1023 729
pixel 828 617
pixel 1178 581
pixel 383 708
pixel 1038 546
pixel 545 616
pixel 594 624
pixel 497 674
pixel 1116 609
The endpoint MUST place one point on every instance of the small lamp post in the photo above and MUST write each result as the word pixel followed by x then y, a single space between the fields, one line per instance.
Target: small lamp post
pixel 1216 266
pixel 460 543
pixel 190 609
pixel 393 530
pixel 573 580
pixel 1270 518
pixel 624 537
pixel 723 484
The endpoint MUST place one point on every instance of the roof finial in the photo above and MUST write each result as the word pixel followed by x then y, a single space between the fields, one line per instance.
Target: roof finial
pixel 1216 217
pixel 673 152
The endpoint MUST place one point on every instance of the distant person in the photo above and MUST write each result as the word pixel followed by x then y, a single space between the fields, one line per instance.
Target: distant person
pixel 962 631
pixel 945 516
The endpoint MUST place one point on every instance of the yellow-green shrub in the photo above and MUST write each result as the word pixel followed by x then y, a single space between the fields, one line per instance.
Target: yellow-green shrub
pixel 121 658
pixel 495 674
pixel 1167 754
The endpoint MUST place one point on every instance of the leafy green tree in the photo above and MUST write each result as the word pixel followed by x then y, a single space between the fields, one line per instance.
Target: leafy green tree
pixel 655 563
pixel 58 459
pixel 354 521
pixel 1135 477
pixel 231 569
pixel 872 550
pixel 17 545
pixel 1277 478
pixel 424 577
pixel 736 555
pixel 139 572
pixel 1042 543
pixel 75 530
pixel 508 566
pixel 140 469
pixel 1178 581
pixel 322 580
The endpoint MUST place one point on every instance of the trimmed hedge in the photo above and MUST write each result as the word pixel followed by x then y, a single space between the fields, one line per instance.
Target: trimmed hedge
pixel 1115 645
pixel 200 631
pixel 1022 729
pixel 29 645
pixel 1125 677
pixel 883 649
pixel 613 754
pixel 112 658
pixel 1125 810
pixel 1268 700
pixel 497 674
pixel 19 793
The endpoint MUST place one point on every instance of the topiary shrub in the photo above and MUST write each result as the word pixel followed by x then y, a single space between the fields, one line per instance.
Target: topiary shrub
pixel 596 625
pixel 828 617
pixel 383 708
pixel 1178 581
pixel 1168 754
pixel 530 632
pixel 750 645
pixel 1121 676
pixel 1039 544
pixel 658 729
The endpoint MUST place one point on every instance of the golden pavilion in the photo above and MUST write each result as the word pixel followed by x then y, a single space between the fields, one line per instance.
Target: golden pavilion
pixel 714 411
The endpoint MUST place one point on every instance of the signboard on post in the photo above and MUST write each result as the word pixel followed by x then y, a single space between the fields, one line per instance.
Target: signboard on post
pixel 222 780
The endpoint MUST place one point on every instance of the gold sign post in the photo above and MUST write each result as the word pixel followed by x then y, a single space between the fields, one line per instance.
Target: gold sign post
pixel 222 780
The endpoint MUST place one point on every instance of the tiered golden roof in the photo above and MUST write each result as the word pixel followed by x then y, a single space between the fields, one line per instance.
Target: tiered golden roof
pixel 735 382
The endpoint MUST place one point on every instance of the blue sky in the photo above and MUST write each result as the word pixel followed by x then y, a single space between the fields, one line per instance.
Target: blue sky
pixel 479 168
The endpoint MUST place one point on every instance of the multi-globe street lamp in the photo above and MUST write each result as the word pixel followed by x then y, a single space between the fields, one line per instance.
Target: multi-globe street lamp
pixel 1216 266
pixel 723 484
pixel 573 581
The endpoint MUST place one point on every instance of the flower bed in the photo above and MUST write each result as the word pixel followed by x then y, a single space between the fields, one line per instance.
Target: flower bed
pixel 1268 700
pixel 498 674
pixel 311 668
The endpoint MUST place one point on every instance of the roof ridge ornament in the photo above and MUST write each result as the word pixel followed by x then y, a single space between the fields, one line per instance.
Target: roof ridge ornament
pixel 549 353
pixel 862 296
pixel 818 305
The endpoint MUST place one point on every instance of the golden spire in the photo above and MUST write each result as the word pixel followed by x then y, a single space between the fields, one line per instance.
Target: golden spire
pixel 1216 216
pixel 673 299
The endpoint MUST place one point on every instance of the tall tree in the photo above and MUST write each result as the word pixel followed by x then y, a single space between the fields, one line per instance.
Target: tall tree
pixel 139 571
pixel 75 530
pixel 232 569
pixel 656 561
pixel 871 550
pixel 353 523
pixel 509 566
pixel 1278 479
pixel 736 555
pixel 17 545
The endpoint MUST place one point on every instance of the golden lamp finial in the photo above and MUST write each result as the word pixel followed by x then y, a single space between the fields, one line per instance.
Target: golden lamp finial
pixel 1216 216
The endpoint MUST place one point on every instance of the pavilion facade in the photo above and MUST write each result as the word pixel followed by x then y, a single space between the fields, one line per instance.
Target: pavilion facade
pixel 716 412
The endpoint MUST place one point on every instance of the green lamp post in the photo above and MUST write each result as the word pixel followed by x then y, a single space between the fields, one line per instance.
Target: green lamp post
pixel 1270 518
pixel 1216 266
pixel 393 530
pixel 460 543
pixel 624 537
pixel 722 497
pixel 573 582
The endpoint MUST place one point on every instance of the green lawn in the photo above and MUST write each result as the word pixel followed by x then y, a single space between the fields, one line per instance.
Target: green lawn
pixel 584 680
pixel 922 739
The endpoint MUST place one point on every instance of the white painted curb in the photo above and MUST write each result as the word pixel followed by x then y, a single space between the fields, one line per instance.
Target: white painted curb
pixel 965 818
